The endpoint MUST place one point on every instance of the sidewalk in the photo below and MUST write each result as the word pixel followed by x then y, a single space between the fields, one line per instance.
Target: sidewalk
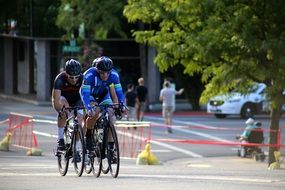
pixel 25 105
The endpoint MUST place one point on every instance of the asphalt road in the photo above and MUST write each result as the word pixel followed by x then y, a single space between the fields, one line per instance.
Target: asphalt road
pixel 183 165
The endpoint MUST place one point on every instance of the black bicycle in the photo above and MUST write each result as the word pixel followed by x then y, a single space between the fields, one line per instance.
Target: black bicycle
pixel 105 156
pixel 74 144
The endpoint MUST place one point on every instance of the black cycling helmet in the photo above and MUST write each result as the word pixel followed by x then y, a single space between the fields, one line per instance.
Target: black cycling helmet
pixel 72 67
pixel 103 63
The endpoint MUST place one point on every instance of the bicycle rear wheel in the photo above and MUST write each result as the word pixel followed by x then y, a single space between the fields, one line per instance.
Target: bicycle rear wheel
pixel 78 151
pixel 63 156
pixel 113 155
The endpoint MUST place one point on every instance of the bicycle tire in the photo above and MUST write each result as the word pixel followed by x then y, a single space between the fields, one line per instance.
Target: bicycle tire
pixel 96 162
pixel 104 152
pixel 79 151
pixel 114 155
pixel 88 165
pixel 90 155
pixel 63 156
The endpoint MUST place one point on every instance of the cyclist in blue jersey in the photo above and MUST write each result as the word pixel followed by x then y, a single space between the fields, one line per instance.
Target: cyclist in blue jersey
pixel 101 83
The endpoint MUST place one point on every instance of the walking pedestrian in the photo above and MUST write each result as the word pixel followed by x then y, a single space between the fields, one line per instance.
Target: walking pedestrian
pixel 131 102
pixel 142 92
pixel 167 96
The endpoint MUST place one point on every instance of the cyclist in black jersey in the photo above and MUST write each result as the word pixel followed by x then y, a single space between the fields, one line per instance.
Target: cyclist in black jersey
pixel 65 93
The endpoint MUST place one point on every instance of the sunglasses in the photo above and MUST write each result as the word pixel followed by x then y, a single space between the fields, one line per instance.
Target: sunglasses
pixel 103 72
pixel 74 77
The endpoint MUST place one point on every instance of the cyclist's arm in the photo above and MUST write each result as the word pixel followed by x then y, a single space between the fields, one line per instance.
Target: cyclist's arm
pixel 56 99
pixel 115 83
pixel 113 94
pixel 56 93
pixel 85 92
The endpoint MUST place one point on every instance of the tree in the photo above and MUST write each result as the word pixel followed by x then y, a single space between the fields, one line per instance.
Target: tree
pixel 33 17
pixel 96 18
pixel 231 43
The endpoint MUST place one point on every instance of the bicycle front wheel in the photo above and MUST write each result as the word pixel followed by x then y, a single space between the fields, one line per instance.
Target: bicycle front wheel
pixel 63 156
pixel 78 151
pixel 113 154
pixel 96 162
pixel 88 162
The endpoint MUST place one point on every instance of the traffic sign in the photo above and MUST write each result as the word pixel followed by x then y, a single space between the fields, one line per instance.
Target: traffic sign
pixel 72 47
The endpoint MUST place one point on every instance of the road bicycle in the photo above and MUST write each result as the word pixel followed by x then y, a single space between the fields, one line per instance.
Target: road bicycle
pixel 74 144
pixel 104 157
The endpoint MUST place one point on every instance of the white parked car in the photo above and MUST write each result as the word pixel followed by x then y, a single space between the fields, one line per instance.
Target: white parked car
pixel 246 105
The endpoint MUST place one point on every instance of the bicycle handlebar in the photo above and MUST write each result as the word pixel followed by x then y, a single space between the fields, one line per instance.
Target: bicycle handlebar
pixel 72 108
pixel 105 106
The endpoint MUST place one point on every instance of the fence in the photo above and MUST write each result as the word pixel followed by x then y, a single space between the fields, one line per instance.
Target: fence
pixel 133 137
pixel 280 139
pixel 21 128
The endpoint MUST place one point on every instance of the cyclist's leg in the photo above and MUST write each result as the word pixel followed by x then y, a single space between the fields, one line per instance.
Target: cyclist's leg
pixel 111 140
pixel 90 123
pixel 61 119
pixel 81 113
pixel 77 102
pixel 108 101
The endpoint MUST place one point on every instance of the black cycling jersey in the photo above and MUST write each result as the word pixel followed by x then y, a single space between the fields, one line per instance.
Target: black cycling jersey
pixel 131 98
pixel 69 91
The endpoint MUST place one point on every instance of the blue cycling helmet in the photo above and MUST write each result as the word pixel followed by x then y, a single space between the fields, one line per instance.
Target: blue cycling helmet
pixel 72 67
pixel 103 63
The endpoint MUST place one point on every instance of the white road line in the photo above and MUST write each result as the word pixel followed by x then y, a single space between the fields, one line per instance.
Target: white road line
pixel 177 149
pixel 205 177
pixel 44 134
pixel 171 147
pixel 193 132
pixel 171 177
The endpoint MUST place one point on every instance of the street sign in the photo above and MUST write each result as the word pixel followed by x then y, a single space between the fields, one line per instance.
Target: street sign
pixel 72 47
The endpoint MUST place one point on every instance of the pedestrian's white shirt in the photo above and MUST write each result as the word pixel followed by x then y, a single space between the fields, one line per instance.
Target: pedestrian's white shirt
pixel 168 95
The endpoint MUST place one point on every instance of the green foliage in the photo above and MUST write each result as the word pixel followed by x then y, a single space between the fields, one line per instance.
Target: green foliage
pixel 99 17
pixel 230 43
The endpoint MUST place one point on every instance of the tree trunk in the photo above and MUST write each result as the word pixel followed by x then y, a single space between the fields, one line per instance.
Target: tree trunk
pixel 273 133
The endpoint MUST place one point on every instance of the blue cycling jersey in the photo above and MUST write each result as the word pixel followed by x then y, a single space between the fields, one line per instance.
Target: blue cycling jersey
pixel 93 86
